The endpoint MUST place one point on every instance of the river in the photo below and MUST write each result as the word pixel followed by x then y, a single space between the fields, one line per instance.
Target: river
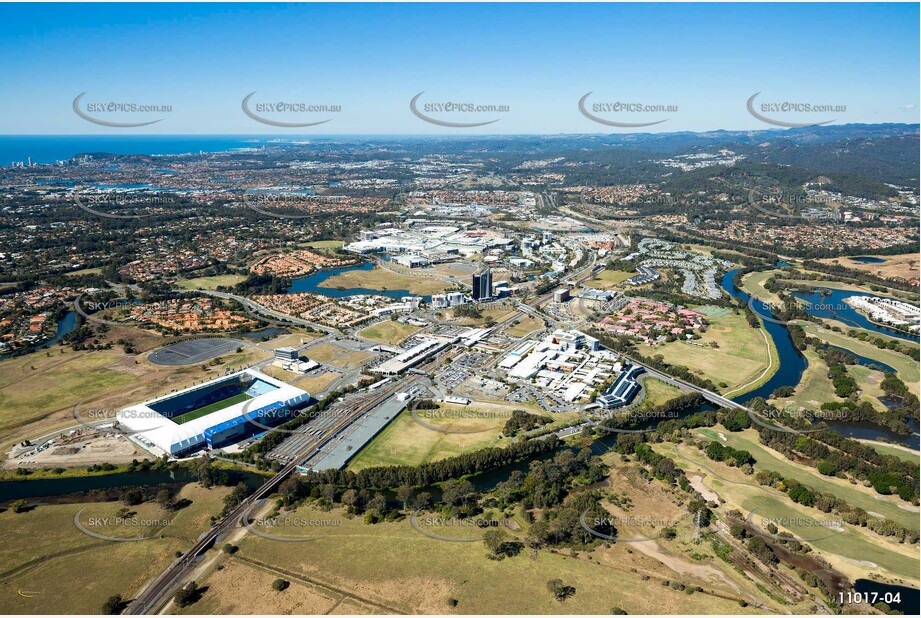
pixel 792 365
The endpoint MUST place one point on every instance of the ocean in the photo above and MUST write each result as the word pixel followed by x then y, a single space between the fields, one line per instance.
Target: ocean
pixel 51 148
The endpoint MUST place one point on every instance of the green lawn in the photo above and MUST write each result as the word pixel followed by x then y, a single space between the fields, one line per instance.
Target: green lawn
pixel 323 244
pixel 738 362
pixel 210 283
pixel 214 407
pixel 607 279
pixel 856 495
pixel 658 392
pixel 406 442
pixel 852 544
pixel 389 332
pixel 905 367
pixel 885 449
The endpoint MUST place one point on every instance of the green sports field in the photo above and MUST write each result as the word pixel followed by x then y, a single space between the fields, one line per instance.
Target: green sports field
pixel 214 407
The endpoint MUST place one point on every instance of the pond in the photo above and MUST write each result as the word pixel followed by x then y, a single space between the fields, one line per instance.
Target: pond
pixel 909 597
pixel 866 259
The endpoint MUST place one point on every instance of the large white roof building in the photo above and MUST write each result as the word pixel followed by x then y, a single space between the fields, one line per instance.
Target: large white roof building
pixel 250 395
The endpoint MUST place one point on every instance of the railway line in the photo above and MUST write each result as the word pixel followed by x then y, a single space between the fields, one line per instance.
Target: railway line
pixel 151 598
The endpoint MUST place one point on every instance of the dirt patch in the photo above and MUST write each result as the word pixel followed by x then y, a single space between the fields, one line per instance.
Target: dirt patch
pixel 83 447
pixel 239 588
pixel 697 482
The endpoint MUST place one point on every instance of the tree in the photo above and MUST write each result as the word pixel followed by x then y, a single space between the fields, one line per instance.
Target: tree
pixel 113 605
pixel 559 590
pixel 280 584
pixel 457 492
pixel 494 540
pixel 405 495
pixel 165 499
pixel 187 595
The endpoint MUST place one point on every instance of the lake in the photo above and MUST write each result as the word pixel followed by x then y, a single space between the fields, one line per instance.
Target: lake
pixel 312 283
pixel 829 304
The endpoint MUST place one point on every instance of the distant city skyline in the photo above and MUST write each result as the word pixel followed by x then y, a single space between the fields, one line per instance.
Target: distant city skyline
pixel 698 65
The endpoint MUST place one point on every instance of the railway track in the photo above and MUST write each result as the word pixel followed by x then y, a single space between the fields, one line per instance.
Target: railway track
pixel 152 596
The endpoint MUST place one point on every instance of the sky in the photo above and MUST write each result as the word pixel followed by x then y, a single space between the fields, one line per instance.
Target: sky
pixel 701 62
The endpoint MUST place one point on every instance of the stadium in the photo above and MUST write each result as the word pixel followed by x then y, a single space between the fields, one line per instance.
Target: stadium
pixel 212 414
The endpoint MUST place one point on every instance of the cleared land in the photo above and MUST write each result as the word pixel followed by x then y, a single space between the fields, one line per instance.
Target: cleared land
pixel 323 244
pixel 382 279
pixel 238 587
pixel 380 564
pixel 657 392
pixel 608 279
pixel 740 358
pixel 338 356
pixel 904 266
pixel 389 332
pixel 497 313
pixel 85 271
pixel 210 283
pixel 525 326
pixel 64 571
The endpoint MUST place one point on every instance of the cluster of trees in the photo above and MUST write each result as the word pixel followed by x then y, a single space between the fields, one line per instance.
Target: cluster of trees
pixel 734 457
pixel 887 474
pixel 907 404
pixel 881 343
pixel 861 276
pixel 523 421
pixel 864 411
pixel 830 503
pixel 548 481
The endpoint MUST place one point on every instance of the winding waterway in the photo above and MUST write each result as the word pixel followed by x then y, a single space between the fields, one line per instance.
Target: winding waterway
pixel 793 364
